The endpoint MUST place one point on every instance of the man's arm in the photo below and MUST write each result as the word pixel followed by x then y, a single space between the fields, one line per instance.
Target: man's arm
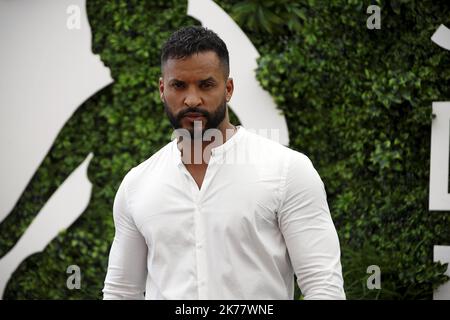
pixel 309 232
pixel 127 267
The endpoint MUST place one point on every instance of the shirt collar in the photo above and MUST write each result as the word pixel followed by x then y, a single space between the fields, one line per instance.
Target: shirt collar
pixel 219 150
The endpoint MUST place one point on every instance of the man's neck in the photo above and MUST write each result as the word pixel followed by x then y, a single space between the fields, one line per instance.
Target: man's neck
pixel 198 156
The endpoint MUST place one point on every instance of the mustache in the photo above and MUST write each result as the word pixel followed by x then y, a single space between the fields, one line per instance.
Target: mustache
pixel 204 113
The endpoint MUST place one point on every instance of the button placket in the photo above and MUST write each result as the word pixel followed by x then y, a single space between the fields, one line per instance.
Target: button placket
pixel 199 232
pixel 200 252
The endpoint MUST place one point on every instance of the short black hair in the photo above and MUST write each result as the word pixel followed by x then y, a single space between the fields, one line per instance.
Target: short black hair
pixel 195 39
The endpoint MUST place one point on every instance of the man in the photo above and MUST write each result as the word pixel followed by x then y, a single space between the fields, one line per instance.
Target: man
pixel 213 226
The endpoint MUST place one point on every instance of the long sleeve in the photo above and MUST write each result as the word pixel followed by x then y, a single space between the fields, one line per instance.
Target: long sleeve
pixel 309 232
pixel 127 268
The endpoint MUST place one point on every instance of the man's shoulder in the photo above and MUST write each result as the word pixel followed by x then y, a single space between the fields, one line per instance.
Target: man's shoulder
pixel 272 153
pixel 153 162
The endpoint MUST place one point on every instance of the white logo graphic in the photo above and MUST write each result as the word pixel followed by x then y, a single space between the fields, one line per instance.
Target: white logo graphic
pixel 439 162
pixel 29 123
pixel 37 98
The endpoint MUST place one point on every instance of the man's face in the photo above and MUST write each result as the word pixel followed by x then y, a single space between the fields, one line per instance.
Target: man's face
pixel 195 89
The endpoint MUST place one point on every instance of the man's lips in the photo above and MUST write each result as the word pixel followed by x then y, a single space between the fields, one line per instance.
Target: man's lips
pixel 193 115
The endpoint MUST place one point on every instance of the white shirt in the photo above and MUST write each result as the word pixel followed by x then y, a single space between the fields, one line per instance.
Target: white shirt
pixel 257 219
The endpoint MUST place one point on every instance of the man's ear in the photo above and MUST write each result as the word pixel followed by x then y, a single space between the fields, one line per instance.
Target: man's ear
pixel 229 88
pixel 161 88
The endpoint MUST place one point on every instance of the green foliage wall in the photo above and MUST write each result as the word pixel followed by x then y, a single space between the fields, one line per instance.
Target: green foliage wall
pixel 357 102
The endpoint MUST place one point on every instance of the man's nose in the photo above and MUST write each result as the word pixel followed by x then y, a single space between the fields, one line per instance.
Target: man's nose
pixel 192 99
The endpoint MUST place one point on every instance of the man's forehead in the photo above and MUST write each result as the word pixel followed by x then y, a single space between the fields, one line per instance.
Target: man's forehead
pixel 198 63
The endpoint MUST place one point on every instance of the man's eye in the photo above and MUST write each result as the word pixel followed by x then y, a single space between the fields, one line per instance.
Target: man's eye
pixel 178 85
pixel 207 85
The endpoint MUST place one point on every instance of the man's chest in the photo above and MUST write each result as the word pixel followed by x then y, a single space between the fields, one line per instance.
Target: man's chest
pixel 198 173
pixel 233 201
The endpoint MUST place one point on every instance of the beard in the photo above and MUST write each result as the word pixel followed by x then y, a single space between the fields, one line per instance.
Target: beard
pixel 213 119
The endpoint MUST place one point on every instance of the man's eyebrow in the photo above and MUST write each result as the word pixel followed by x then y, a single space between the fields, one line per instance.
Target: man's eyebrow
pixel 209 79
pixel 176 80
